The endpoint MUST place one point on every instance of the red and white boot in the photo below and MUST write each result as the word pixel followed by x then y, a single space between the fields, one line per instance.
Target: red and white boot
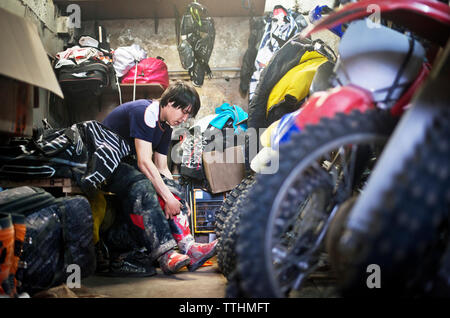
pixel 198 253
pixel 171 262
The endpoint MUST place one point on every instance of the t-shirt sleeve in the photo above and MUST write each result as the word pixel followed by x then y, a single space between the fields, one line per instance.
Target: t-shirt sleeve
pixel 138 126
pixel 163 147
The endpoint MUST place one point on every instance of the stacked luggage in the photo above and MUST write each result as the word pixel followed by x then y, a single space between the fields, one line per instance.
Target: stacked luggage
pixel 42 239
pixel 85 70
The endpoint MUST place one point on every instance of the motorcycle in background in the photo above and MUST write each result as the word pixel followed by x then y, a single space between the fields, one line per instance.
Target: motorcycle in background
pixel 325 166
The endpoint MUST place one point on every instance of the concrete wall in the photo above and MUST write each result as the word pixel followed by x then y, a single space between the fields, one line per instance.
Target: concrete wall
pixel 230 45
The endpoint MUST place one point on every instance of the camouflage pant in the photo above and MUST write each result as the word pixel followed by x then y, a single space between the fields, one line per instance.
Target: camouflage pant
pixel 146 220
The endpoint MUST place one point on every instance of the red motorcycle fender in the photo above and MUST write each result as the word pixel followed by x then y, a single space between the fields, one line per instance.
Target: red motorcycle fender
pixel 343 99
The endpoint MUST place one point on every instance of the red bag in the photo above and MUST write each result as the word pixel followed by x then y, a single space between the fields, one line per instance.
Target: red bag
pixel 149 70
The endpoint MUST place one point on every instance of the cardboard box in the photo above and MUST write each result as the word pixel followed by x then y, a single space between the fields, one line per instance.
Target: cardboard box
pixel 224 170
pixel 24 64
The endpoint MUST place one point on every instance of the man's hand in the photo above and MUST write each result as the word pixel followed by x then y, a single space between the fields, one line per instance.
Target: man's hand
pixel 172 207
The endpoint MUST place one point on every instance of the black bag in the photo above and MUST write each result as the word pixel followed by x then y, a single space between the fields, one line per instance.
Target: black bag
pixel 49 153
pixel 87 79
pixel 59 232
pixel 87 152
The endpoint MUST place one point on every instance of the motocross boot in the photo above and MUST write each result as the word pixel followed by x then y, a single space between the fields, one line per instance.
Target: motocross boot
pixel 19 238
pixel 171 262
pixel 6 254
pixel 198 253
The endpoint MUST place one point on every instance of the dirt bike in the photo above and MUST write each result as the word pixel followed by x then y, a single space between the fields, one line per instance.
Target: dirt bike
pixel 311 62
pixel 326 165
pixel 400 222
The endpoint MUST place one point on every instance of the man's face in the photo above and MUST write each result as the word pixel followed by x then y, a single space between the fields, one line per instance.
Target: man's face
pixel 176 116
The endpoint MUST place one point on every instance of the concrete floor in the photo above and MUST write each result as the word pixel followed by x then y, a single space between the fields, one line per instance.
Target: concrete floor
pixel 205 282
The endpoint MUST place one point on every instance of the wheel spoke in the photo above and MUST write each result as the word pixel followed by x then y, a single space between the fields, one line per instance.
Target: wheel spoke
pixel 314 178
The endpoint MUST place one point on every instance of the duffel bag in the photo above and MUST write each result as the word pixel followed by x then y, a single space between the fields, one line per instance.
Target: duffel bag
pixel 149 70
pixel 87 79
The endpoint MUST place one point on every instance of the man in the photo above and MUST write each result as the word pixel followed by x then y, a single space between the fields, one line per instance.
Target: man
pixel 153 209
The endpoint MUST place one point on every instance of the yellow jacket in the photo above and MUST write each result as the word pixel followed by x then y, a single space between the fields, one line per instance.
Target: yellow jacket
pixel 296 81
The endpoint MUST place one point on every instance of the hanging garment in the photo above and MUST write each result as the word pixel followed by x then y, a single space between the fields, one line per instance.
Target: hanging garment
pixel 288 57
pixel 197 35
pixel 278 31
pixel 291 90
pixel 77 55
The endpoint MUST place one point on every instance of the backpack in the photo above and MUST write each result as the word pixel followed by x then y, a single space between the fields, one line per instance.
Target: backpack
pixel 87 152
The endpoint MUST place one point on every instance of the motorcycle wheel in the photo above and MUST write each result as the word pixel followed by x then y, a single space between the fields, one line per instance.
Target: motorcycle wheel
pixel 410 225
pixel 287 213
pixel 226 245
pixel 230 202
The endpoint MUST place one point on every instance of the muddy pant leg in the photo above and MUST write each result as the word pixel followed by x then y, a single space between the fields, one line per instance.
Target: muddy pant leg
pixel 150 224
pixel 140 203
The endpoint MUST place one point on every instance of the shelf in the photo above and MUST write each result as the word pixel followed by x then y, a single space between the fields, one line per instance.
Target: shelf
pixel 110 98
pixel 139 9
pixel 146 91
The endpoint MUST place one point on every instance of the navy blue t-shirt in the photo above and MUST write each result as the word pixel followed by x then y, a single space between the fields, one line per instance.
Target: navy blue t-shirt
pixel 140 119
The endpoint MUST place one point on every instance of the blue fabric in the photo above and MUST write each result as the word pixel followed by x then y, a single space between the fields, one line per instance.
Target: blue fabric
pixel 317 15
pixel 127 120
pixel 225 112
pixel 285 128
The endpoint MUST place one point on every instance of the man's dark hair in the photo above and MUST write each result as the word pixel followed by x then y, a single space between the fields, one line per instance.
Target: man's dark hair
pixel 183 95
